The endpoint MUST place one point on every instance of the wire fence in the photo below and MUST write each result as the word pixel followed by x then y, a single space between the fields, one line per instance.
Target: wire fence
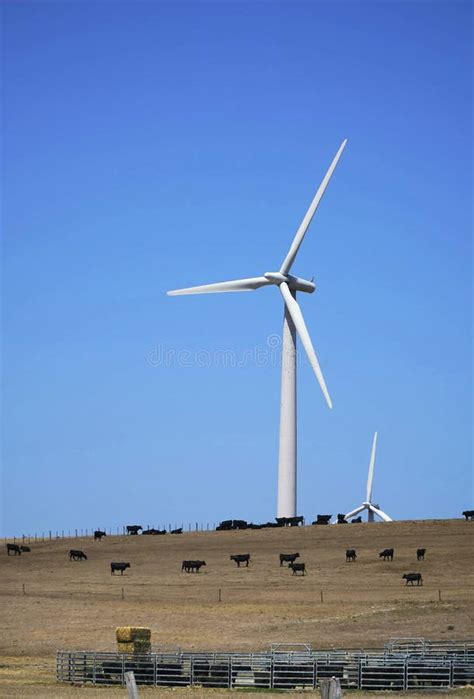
pixel 198 590
pixel 117 530
pixel 290 671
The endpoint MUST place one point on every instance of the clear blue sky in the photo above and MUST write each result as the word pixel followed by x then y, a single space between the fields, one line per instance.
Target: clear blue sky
pixel 153 145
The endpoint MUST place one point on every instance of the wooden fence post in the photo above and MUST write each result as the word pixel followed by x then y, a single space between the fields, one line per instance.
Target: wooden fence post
pixel 220 595
pixel 131 685
pixel 330 688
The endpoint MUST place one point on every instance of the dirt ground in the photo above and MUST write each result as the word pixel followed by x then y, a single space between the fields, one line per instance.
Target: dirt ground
pixel 77 605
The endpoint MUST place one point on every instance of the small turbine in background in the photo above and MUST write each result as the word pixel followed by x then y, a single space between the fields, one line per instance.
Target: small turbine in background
pixel 368 504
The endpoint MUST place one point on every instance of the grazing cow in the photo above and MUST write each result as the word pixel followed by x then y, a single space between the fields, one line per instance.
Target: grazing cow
pixel 25 549
pixel 289 521
pixel 420 554
pixel 241 558
pixel 224 526
pixel 177 531
pixel 386 554
pixel 76 555
pixel 228 524
pixel 239 524
pixel 15 548
pixel 341 519
pixel 468 514
pixel 351 555
pixel 192 566
pixel 133 528
pixel 322 519
pixel 288 558
pixel 118 566
pixel 98 534
pixel 412 578
pixel 298 568
pixel 356 520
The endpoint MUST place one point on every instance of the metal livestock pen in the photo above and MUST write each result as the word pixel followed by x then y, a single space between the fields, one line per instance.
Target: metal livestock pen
pixel 388 669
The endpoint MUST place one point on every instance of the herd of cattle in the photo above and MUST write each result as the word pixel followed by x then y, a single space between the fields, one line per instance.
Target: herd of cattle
pixel 239 524
pixel 194 566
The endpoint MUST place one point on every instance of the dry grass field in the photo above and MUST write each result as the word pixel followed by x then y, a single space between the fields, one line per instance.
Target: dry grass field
pixel 77 605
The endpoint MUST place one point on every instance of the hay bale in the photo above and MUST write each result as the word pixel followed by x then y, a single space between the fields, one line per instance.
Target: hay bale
pixel 134 647
pixel 128 634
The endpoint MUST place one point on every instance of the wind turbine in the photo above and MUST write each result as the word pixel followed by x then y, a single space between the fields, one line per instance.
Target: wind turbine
pixel 368 504
pixel 293 323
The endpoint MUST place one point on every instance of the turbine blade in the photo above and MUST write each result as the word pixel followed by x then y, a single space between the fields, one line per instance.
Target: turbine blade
pixel 370 478
pixel 355 512
pixel 222 287
pixel 297 318
pixel 300 233
pixel 380 514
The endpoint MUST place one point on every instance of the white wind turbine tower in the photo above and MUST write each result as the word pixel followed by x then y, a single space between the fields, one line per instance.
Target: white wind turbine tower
pixel 293 323
pixel 368 504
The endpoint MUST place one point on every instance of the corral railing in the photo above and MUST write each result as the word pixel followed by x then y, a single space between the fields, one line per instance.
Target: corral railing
pixel 286 670
pixel 425 646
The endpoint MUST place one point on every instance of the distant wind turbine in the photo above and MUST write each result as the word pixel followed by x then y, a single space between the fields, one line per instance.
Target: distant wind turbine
pixel 368 504
pixel 293 323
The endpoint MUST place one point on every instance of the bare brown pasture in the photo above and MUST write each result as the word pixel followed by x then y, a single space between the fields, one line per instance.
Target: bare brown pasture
pixel 337 604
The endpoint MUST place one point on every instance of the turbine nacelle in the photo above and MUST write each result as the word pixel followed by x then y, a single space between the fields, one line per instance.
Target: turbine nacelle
pixel 294 283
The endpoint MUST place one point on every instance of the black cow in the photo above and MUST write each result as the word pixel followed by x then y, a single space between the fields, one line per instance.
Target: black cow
pixel 298 568
pixel 133 528
pixel 76 555
pixel 150 532
pixel 228 524
pixel 322 519
pixel 98 534
pixel 468 514
pixel 15 548
pixel 420 554
pixel 356 520
pixel 289 521
pixel 118 566
pixel 341 519
pixel 241 558
pixel 288 558
pixel 239 524
pixel 25 549
pixel 386 554
pixel 412 578
pixel 177 531
pixel 192 566
pixel 224 526
pixel 351 555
